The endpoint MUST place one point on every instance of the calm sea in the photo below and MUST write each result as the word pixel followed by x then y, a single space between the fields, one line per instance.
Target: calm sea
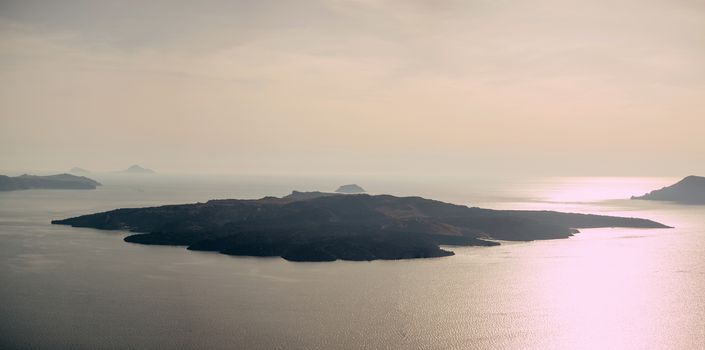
pixel 69 288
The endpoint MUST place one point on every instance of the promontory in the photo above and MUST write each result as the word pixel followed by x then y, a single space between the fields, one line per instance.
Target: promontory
pixel 690 190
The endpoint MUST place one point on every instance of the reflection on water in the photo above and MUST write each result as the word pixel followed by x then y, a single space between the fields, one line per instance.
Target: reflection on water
pixel 602 289
pixel 594 189
pixel 609 297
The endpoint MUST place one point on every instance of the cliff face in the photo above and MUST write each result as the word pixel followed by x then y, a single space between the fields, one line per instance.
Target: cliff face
pixel 690 190
pixel 322 226
pixel 61 181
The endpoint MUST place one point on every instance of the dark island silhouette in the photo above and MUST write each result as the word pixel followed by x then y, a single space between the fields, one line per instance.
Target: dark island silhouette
pixel 316 226
pixel 690 190
pixel 350 189
pixel 60 181
pixel 136 169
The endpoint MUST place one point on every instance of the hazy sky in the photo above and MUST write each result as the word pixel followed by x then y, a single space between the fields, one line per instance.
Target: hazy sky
pixel 552 87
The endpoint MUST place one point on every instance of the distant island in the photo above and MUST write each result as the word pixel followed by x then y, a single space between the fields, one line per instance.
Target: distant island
pixel 350 189
pixel 136 169
pixel 690 190
pixel 77 170
pixel 60 181
pixel 317 226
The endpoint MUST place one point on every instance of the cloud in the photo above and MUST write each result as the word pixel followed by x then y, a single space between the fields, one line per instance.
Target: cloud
pixel 315 78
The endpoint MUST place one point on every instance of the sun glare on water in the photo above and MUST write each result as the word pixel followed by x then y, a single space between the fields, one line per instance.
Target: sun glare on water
pixel 595 189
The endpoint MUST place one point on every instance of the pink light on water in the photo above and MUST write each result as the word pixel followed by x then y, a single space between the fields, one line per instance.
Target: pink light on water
pixel 593 189
pixel 599 291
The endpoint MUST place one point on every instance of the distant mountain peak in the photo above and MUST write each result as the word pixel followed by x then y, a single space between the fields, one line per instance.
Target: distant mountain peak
pixel 137 169
pixel 350 189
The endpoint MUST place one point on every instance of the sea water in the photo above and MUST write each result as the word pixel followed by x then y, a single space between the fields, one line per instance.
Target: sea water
pixel 611 288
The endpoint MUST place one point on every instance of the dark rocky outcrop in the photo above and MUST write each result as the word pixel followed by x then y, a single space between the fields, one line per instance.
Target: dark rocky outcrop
pixel 60 181
pixel 690 190
pixel 317 226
